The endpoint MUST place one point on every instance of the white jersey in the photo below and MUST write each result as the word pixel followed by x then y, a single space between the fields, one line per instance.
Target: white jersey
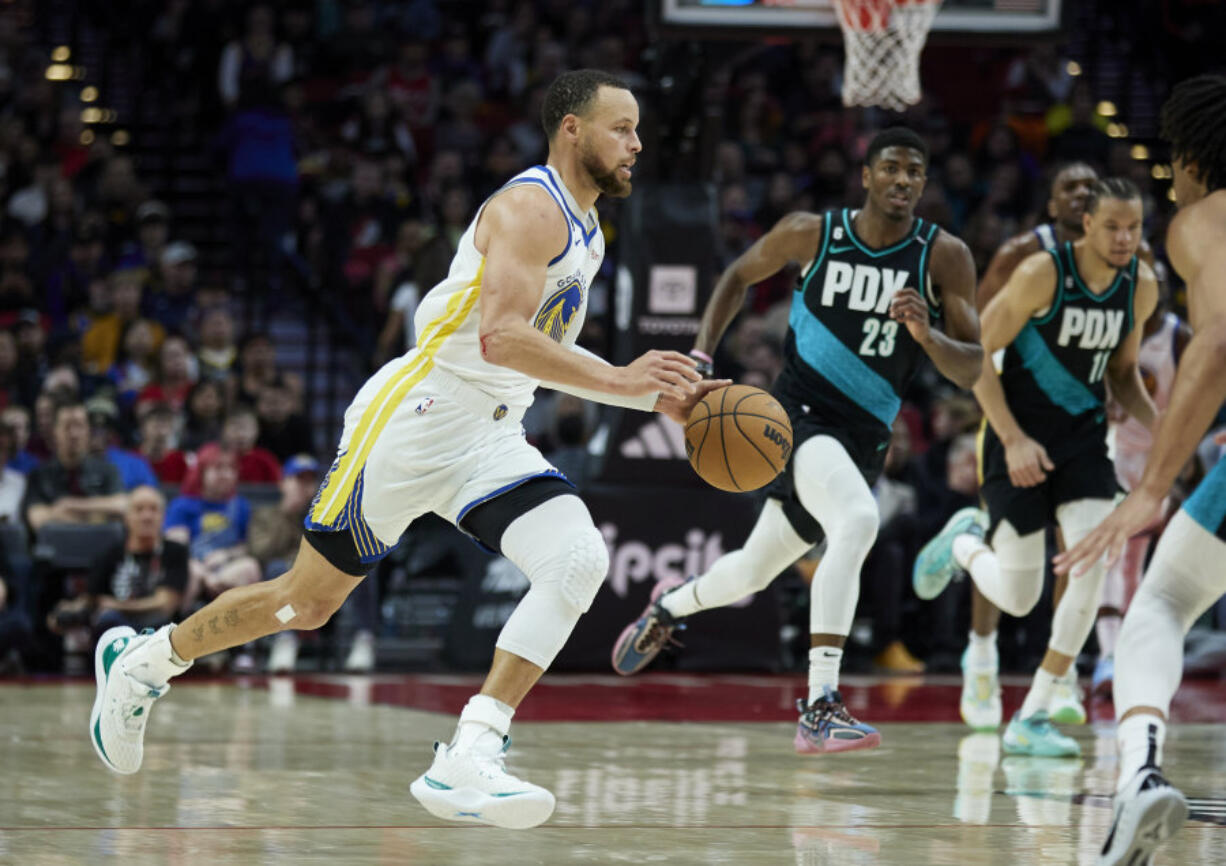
pixel 1156 361
pixel 1046 233
pixel 449 316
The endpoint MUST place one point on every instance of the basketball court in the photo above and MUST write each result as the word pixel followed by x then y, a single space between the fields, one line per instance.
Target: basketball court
pixel 665 768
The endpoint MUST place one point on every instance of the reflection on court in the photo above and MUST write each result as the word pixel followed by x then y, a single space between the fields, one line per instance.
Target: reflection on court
pixel 252 775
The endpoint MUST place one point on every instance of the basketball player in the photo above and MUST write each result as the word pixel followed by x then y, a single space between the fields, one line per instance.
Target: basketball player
pixel 1066 320
pixel 874 284
pixel 438 430
pixel 1162 343
pixel 1186 574
pixel 980 704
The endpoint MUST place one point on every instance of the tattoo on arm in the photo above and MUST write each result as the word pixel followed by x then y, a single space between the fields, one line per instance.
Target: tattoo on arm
pixel 231 618
pixel 198 632
pixel 214 626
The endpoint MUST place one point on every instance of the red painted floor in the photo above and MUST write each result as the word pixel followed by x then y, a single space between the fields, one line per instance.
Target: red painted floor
pixel 713 698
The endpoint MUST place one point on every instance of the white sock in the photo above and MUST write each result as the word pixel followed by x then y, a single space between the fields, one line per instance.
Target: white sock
pixel 824 662
pixel 154 662
pixel 966 546
pixel 683 600
pixel 1140 739
pixel 1039 695
pixel 983 653
pixel 482 719
pixel 1108 630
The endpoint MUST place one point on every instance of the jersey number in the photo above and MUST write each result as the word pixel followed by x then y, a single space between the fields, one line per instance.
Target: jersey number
pixel 881 334
pixel 1099 366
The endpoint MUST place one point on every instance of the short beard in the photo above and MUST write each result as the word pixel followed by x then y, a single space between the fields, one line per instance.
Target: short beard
pixel 606 181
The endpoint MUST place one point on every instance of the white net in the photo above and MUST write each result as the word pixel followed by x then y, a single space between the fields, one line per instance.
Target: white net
pixel 882 42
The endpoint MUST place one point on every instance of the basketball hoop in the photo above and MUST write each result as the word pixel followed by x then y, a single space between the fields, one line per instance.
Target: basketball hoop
pixel 883 40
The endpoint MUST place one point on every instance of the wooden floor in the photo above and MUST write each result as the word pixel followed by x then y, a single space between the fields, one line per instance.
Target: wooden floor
pixel 316 770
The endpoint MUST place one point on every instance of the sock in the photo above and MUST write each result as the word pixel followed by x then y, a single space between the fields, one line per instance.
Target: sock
pixel 482 719
pixel 982 651
pixel 1040 693
pixel 154 661
pixel 1140 739
pixel 966 546
pixel 1108 630
pixel 824 662
pixel 683 600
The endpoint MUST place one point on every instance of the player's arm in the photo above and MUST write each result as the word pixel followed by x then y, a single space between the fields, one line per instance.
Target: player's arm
pixel 1123 374
pixel 1198 392
pixel 1029 289
pixel 1003 264
pixel 520 232
pixel 956 353
pixel 795 238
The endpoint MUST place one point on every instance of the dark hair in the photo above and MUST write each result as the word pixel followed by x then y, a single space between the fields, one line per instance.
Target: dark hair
pixel 572 93
pixel 1120 188
pixel 1193 122
pixel 896 136
pixel 1062 168
pixel 64 401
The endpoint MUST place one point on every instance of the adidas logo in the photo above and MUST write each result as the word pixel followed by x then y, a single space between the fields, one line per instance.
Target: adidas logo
pixel 658 439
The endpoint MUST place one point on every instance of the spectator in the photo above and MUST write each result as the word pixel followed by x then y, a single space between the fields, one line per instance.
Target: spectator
pixel 171 302
pixel 211 519
pixel 283 431
pixel 100 344
pixel 258 368
pixel 10 376
pixel 206 412
pixel 218 352
pixel 73 486
pixel 157 444
pixel 16 636
pixel 239 434
pixel 175 375
pixel 17 420
pixel 139 582
pixel 137 361
pixel 152 231
pixel 134 470
pixel 12 482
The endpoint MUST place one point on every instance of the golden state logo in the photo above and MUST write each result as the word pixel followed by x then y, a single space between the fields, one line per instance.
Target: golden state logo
pixel 559 310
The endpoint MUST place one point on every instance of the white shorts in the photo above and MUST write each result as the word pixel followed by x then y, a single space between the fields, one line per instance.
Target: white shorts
pixel 418 439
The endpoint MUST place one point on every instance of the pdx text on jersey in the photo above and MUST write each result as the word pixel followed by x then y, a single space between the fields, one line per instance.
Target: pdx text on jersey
pixel 867 288
pixel 1092 329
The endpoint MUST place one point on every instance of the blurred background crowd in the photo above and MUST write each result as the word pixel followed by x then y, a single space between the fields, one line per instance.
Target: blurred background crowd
pixel 216 218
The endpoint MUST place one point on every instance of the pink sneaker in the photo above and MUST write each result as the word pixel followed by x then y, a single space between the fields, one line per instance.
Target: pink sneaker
pixel 642 640
pixel 826 726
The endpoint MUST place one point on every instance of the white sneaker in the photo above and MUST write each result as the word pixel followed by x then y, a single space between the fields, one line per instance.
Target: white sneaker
pixel 361 657
pixel 1065 706
pixel 473 785
pixel 283 657
pixel 1148 811
pixel 980 704
pixel 121 708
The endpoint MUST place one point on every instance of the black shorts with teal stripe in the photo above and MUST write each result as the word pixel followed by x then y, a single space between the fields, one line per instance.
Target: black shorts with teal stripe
pixel 866 446
pixel 1207 504
pixel 1083 471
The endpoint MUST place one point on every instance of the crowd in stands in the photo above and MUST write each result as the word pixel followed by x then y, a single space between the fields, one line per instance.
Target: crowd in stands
pixel 357 138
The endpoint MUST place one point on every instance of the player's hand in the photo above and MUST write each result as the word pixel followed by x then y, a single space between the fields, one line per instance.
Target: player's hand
pixel 679 410
pixel 1028 462
pixel 670 373
pixel 911 309
pixel 1110 536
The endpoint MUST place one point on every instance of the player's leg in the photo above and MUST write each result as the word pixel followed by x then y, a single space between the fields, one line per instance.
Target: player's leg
pixel 1183 580
pixel 772 546
pixel 832 488
pixel 134 670
pixel 555 543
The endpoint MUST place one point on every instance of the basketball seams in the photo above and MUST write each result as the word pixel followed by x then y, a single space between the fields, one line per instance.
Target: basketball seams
pixel 723 440
pixel 737 421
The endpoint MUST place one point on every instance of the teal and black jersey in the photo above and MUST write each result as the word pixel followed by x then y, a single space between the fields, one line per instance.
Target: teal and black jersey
pixel 847 362
pixel 1052 372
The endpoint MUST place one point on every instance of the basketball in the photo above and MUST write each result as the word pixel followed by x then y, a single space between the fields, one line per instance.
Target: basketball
pixel 738 438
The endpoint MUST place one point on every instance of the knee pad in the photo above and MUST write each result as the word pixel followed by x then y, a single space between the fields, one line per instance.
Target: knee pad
pixel 1020 560
pixel 557 544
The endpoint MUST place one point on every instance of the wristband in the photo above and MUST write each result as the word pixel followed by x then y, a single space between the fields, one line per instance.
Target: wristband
pixel 705 365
